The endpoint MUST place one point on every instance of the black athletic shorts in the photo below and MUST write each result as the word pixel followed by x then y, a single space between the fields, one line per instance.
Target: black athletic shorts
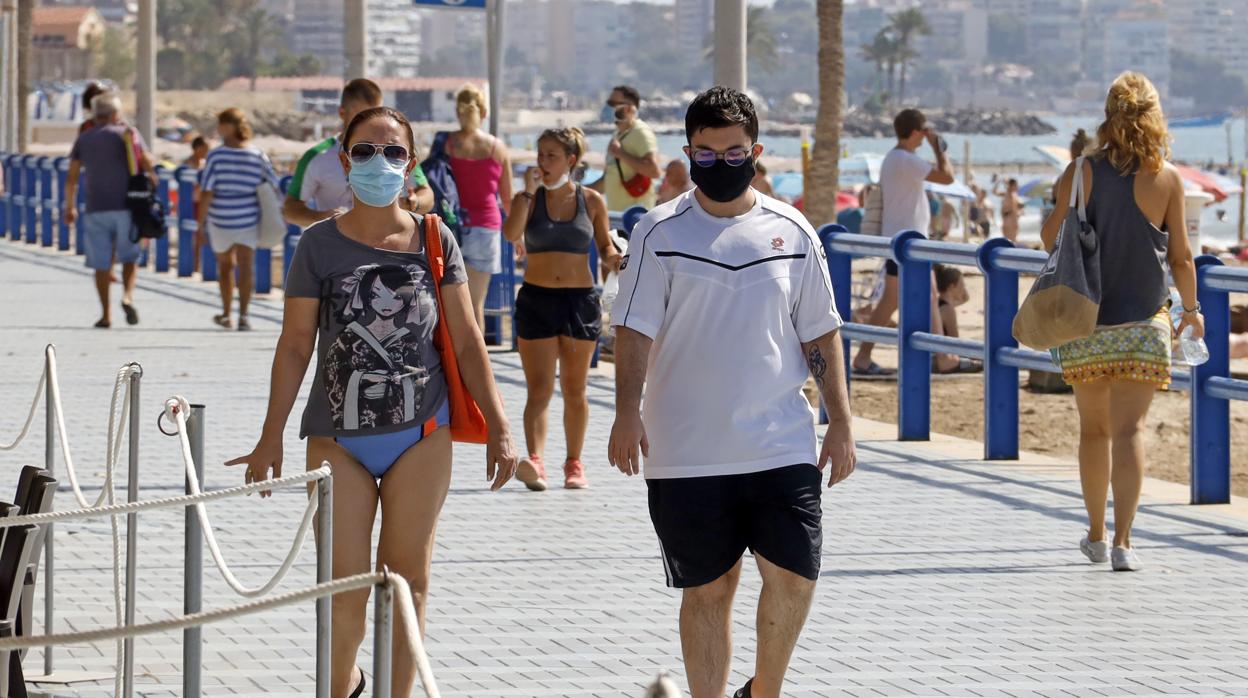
pixel 542 313
pixel 705 524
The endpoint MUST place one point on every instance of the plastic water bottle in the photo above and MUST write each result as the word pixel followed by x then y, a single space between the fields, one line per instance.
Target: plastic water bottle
pixel 1192 349
pixel 610 289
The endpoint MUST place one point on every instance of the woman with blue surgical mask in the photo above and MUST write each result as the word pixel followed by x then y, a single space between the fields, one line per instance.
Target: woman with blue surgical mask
pixel 360 297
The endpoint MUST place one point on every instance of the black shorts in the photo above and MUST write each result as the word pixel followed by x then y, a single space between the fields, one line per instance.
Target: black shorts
pixel 890 267
pixel 542 313
pixel 705 524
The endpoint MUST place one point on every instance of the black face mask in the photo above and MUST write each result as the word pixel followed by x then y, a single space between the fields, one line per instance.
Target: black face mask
pixel 722 182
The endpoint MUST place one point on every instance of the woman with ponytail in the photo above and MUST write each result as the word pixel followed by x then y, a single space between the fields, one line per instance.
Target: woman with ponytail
pixel 1134 201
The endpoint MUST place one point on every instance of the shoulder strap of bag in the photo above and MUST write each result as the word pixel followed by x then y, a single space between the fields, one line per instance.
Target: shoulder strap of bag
pixel 433 251
pixel 132 164
pixel 1076 191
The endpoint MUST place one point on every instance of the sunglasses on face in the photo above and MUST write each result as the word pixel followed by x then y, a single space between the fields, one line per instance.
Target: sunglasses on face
pixel 363 152
pixel 734 157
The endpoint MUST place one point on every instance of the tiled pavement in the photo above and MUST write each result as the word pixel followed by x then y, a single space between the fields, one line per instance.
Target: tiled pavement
pixel 941 576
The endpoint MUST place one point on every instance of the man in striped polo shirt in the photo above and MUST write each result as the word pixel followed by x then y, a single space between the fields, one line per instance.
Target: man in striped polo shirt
pixel 725 303
pixel 319 188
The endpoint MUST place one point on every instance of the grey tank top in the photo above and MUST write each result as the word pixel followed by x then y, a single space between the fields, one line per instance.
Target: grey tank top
pixel 1132 249
pixel 543 234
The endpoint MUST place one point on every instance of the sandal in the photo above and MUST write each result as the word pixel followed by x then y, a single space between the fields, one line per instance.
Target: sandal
pixel 359 689
pixel 874 371
pixel 223 320
pixel 244 323
pixel 132 315
pixel 964 366
pixel 102 324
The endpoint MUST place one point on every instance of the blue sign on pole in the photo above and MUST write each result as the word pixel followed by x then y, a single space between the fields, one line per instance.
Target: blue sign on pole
pixel 458 4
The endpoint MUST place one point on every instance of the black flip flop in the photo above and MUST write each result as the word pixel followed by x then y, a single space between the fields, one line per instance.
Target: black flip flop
pixel 102 324
pixel 132 315
pixel 873 371
pixel 359 690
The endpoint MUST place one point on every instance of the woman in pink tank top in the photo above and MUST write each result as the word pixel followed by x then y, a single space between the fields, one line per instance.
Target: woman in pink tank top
pixel 481 170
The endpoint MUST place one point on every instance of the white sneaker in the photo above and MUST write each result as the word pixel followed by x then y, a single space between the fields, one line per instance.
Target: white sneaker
pixel 1125 560
pixel 1096 552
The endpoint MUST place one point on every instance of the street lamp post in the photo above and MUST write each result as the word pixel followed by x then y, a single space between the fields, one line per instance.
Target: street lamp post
pixel 145 80
pixel 730 39
pixel 356 65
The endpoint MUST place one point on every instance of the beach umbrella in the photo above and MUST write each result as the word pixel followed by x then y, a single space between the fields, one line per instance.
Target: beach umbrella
pixel 787 184
pixel 957 190
pixel 1208 182
pixel 857 170
pixel 1055 155
pixel 1037 188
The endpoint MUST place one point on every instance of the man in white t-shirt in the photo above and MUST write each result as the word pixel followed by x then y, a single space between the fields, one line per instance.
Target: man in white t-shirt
pixel 725 304
pixel 902 177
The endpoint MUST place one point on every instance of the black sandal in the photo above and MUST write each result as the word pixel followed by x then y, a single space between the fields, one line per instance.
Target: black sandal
pixel 359 690
pixel 132 315
pixel 102 324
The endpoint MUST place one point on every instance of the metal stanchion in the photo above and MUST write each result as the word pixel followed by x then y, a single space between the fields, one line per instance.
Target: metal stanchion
pixel 324 573
pixel 132 523
pixel 383 628
pixel 193 567
pixel 49 463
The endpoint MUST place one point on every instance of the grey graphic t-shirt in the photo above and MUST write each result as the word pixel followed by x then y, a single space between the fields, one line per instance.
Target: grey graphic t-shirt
pixel 377 368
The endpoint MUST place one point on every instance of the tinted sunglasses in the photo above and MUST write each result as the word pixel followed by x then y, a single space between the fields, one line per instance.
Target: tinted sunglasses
pixel 734 157
pixel 363 152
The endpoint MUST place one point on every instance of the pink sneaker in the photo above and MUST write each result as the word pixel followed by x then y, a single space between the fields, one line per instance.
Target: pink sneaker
pixel 532 473
pixel 574 475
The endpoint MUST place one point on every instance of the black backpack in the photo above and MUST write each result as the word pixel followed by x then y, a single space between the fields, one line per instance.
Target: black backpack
pixel 147 211
pixel 437 169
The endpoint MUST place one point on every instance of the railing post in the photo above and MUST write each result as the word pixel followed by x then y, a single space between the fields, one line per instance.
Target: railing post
pixel 62 232
pixel 324 573
pixel 1000 380
pixel 79 229
pixel 47 167
pixel 208 261
pixel 162 193
pixel 49 464
pixel 1211 416
pixel 841 270
pixel 914 373
pixel 132 523
pixel 291 240
pixel 264 270
pixel 6 195
pixel 185 178
pixel 630 218
pixel 32 198
pixel 17 196
pixel 193 566
pixel 383 628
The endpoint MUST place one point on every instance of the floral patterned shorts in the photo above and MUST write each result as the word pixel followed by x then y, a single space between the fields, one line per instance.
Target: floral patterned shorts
pixel 1139 352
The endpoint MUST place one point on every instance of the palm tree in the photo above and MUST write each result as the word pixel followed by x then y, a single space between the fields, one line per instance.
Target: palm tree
pixel 259 31
pixel 825 161
pixel 877 52
pixel 25 19
pixel 905 25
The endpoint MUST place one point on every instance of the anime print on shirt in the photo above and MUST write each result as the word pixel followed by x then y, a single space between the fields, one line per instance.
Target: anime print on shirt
pixel 374 371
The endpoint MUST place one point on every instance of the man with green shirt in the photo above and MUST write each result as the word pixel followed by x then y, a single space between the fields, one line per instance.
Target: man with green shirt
pixel 319 188
pixel 632 157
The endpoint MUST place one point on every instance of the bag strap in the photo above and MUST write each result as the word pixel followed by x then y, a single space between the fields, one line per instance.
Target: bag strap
pixel 132 160
pixel 1076 192
pixel 433 251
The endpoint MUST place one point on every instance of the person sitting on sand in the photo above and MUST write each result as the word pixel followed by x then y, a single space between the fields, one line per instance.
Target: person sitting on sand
pixel 952 293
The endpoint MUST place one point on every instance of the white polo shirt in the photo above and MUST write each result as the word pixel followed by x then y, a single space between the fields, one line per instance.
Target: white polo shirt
pixel 728 303
pixel 320 182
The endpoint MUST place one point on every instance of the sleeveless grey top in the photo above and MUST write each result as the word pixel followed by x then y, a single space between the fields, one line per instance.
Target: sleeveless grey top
pixel 543 234
pixel 1132 249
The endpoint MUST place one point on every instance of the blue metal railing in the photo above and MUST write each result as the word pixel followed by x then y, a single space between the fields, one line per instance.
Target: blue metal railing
pixel 1210 384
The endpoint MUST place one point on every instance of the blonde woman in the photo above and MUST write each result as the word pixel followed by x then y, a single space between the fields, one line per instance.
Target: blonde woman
pixel 482 175
pixel 1135 203
pixel 558 310
pixel 229 211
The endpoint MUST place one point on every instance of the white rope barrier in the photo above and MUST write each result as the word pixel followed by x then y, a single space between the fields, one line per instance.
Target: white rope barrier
pixel 30 417
pixel 178 501
pixel 178 408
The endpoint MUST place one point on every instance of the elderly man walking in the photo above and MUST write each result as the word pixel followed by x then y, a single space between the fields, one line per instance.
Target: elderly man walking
pixel 109 151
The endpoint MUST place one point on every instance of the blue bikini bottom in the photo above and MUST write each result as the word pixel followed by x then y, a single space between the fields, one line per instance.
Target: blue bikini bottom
pixel 377 452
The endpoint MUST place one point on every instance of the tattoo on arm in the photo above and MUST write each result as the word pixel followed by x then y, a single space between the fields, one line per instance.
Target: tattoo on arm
pixel 818 365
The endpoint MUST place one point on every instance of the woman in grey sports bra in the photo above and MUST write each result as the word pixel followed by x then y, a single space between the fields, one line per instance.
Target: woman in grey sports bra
pixel 1134 202
pixel 558 310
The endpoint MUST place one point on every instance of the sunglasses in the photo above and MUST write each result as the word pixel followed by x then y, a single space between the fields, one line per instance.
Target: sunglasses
pixel 734 157
pixel 363 152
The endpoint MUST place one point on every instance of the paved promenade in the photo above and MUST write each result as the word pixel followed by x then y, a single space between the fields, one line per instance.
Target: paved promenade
pixel 942 575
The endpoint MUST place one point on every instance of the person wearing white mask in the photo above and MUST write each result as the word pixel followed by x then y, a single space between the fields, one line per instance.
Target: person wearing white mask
pixel 558 310
pixel 360 297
